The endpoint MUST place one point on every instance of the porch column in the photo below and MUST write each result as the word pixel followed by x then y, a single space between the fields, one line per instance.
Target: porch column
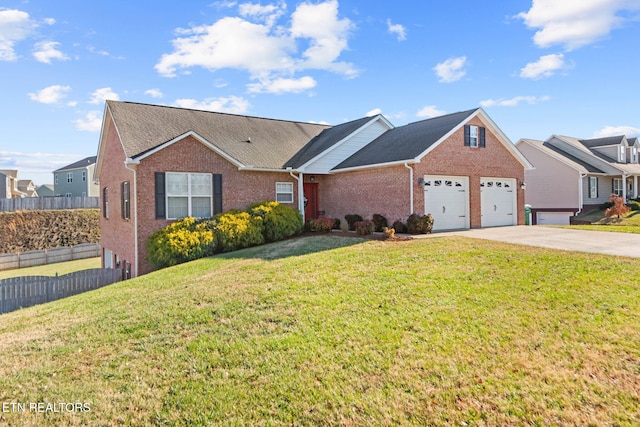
pixel 301 195
pixel 635 186
pixel 624 187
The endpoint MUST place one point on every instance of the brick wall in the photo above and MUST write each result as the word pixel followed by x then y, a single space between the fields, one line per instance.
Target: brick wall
pixel 386 190
pixel 239 188
pixel 116 234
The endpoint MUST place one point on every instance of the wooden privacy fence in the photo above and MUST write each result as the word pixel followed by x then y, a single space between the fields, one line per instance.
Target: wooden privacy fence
pixel 22 292
pixel 49 256
pixel 48 203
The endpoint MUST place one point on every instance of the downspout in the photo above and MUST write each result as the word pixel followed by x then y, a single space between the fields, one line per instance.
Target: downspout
pixel 300 179
pixel 406 165
pixel 135 209
pixel 581 176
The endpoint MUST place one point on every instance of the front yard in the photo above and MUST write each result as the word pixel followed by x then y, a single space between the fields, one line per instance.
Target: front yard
pixel 330 330
pixel 629 223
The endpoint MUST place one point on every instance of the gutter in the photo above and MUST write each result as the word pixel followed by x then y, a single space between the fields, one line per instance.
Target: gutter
pixel 128 162
pixel 406 165
pixel 300 179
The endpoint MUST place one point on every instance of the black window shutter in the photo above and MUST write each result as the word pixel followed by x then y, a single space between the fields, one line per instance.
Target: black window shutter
pixel 125 200
pixel 217 193
pixel 467 136
pixel 160 196
pixel 482 138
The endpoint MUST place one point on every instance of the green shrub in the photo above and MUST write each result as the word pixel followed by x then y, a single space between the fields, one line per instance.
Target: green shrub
pixel 336 224
pixel 352 219
pixel 634 205
pixel 183 240
pixel 419 224
pixel 364 228
pixel 237 229
pixel 379 222
pixel 278 221
pixel 399 227
pixel 323 225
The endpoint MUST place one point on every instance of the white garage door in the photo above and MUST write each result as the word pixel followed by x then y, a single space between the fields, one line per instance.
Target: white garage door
pixel 498 202
pixel 554 218
pixel 447 199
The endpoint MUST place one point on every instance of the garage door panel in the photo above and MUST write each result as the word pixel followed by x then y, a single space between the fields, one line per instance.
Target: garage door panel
pixel 498 202
pixel 446 198
pixel 554 218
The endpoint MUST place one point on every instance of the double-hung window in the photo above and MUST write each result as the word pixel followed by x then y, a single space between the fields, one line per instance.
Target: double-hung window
pixel 284 192
pixel 188 194
pixel 593 187
pixel 617 186
pixel 125 201
pixel 69 177
pixel 473 136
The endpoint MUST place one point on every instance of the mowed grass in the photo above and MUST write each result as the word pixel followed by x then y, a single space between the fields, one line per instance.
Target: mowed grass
pixel 59 268
pixel 629 223
pixel 338 331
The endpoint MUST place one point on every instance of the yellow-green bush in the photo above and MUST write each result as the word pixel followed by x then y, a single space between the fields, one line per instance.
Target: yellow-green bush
pixel 237 229
pixel 278 221
pixel 183 240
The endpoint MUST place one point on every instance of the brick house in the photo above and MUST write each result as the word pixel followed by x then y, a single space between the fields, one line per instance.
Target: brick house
pixel 156 164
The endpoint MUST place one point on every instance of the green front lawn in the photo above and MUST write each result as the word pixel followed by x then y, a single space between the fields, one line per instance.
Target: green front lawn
pixel 627 224
pixel 330 330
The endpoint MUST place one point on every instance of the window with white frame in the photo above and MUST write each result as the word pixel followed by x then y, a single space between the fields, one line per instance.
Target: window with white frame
pixel 593 187
pixel 84 176
pixel 473 136
pixel 621 154
pixel 634 155
pixel 284 192
pixel 69 177
pixel 617 186
pixel 55 179
pixel 188 194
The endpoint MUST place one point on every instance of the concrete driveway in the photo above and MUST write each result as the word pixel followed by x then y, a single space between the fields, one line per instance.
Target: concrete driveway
pixel 621 244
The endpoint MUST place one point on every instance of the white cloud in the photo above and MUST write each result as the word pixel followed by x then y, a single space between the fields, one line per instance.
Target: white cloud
pixel 48 50
pixel 513 102
pixel 399 30
pixel 451 70
pixel 154 93
pixel 373 112
pixel 629 131
pixel 546 66
pixel 430 111
pixel 92 122
pixel 50 95
pixel 49 21
pixel 232 104
pixel 101 95
pixel 268 52
pixel 574 23
pixel 282 85
pixel 15 25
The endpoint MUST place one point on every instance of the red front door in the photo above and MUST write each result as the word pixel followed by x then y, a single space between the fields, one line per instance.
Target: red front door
pixel 311 200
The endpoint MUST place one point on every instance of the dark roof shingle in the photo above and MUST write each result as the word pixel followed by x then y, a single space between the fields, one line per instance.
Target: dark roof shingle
pixel 405 142
pixel 144 127
pixel 87 161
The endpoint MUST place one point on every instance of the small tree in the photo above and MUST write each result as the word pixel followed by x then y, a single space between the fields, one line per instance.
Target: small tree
pixel 618 208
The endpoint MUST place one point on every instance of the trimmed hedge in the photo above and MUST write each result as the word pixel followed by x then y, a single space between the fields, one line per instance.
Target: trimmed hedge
pixel 352 219
pixel 237 229
pixel 183 240
pixel 419 224
pixel 188 239
pixel 279 221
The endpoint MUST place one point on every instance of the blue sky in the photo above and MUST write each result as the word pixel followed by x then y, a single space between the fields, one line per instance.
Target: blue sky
pixel 538 67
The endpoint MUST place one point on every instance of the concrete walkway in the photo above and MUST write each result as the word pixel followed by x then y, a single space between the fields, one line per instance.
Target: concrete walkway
pixel 602 242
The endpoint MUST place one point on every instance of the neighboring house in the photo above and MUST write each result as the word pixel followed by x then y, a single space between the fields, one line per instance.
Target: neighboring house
pixel 75 180
pixel 156 164
pixel 9 185
pixel 27 187
pixel 45 190
pixel 574 175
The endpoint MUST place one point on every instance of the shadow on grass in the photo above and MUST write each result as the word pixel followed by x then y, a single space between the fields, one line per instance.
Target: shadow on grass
pixel 295 246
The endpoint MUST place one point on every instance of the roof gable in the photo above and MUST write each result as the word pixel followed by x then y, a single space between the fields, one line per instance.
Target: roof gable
pixel 86 162
pixel 250 141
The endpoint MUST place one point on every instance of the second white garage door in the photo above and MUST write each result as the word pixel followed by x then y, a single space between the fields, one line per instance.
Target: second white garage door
pixel 498 202
pixel 447 199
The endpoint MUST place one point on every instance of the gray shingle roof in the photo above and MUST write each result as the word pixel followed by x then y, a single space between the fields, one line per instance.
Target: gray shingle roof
pixel 87 161
pixel 601 142
pixel 143 127
pixel 587 166
pixel 325 140
pixel 405 142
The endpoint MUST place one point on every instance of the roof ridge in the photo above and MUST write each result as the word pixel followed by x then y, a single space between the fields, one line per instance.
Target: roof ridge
pixel 110 101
